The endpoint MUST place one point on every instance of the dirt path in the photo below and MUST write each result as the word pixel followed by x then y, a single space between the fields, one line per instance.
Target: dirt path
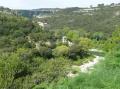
pixel 86 67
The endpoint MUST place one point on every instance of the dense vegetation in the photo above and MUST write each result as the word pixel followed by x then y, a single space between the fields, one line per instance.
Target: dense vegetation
pixel 32 57
pixel 95 19
pixel 104 76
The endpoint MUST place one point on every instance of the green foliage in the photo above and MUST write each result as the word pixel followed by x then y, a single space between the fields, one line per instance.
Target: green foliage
pixel 85 43
pixel 12 68
pixel 77 52
pixel 61 51
pixel 106 76
pixel 113 42
pixel 34 58
pixel 23 73
pixel 98 36
pixel 73 35
pixel 101 19
pixel 14 29
pixel 44 52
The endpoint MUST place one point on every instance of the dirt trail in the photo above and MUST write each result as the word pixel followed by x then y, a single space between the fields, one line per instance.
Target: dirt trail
pixel 86 67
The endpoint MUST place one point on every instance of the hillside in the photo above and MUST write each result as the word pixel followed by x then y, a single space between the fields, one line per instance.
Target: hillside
pixel 37 12
pixel 40 48
pixel 95 19
pixel 30 55
pixel 103 18
pixel 14 30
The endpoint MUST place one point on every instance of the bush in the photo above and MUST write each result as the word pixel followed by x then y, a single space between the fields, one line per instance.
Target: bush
pixel 61 51
pixel 11 69
pixel 77 50
pixel 43 52
pixel 51 71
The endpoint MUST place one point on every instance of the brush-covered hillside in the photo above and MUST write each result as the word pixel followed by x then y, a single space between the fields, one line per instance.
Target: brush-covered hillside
pixel 30 55
pixel 40 47
pixel 103 18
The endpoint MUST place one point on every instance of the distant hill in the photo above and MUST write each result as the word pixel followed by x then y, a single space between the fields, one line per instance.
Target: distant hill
pixel 34 57
pixel 103 18
pixel 37 12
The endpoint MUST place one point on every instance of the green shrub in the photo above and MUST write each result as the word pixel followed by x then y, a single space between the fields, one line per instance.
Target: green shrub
pixel 61 51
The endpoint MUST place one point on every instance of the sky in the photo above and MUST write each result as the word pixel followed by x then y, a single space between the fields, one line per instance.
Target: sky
pixel 34 4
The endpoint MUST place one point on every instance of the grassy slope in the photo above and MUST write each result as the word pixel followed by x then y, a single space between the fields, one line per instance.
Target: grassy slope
pixel 106 76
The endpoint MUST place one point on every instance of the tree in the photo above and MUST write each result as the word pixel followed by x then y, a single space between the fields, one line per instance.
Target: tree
pixel 73 35
pixel 11 69
pixel 85 43
pixel 98 36
pixel 61 51
pixel 43 52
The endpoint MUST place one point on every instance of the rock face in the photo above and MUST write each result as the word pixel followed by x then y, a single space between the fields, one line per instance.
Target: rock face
pixel 66 41
pixel 43 25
